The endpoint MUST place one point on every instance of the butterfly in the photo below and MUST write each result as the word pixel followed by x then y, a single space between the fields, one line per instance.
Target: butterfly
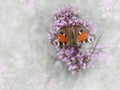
pixel 72 36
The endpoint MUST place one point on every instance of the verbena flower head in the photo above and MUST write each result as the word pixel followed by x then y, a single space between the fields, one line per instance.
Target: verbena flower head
pixel 73 55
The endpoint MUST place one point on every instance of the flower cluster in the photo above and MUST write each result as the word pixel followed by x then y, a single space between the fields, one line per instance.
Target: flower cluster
pixel 73 55
pixel 69 17
pixel 66 17
pixel 74 58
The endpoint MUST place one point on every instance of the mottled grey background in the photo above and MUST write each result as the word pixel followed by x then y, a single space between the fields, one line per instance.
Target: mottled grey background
pixel 29 62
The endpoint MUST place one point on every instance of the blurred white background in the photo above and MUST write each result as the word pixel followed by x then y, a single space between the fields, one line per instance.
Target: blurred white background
pixel 29 62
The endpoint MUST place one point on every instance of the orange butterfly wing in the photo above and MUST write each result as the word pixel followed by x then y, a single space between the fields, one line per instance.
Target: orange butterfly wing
pixel 82 37
pixel 63 39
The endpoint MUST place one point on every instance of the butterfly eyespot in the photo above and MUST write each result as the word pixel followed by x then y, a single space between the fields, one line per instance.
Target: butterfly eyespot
pixel 90 39
pixel 81 30
pixel 56 43
pixel 61 32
